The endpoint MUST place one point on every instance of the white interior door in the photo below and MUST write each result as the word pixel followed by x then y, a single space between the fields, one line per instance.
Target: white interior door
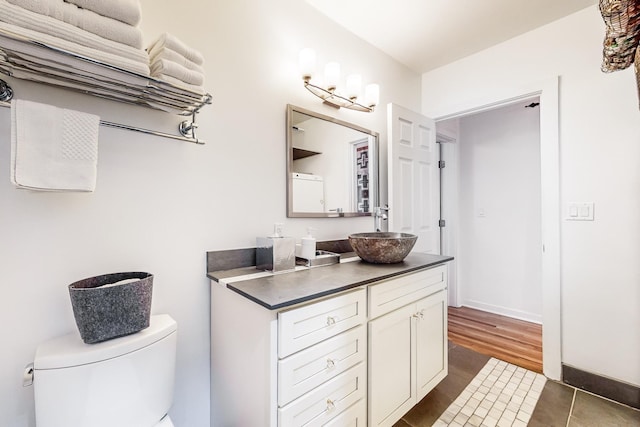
pixel 414 178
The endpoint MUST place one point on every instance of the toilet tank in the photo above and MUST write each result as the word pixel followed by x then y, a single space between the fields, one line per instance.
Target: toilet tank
pixel 123 382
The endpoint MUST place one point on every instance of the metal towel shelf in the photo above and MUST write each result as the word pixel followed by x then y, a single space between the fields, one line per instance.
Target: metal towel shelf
pixel 58 67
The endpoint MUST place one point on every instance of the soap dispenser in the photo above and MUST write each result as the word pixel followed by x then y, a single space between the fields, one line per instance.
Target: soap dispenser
pixel 308 243
pixel 276 253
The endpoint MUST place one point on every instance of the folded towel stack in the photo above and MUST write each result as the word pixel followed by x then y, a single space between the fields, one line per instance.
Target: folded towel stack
pixel 85 27
pixel 174 62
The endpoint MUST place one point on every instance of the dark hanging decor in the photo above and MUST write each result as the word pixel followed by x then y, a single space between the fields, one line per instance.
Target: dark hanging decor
pixel 622 38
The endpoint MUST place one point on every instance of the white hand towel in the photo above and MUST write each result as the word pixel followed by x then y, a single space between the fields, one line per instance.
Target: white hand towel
pixel 53 149
pixel 87 20
pixel 139 65
pixel 164 67
pixel 43 24
pixel 172 42
pixel 166 53
pixel 127 11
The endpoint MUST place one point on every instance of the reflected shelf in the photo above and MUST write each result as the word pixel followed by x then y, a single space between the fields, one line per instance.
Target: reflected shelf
pixel 301 153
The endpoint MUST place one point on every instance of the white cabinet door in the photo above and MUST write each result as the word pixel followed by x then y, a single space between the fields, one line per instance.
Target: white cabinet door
pixel 431 343
pixel 391 362
pixel 407 353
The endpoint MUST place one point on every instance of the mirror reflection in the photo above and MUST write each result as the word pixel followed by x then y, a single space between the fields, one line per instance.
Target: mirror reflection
pixel 332 168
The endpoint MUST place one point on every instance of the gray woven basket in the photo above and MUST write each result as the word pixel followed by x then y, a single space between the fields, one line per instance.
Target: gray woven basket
pixel 104 312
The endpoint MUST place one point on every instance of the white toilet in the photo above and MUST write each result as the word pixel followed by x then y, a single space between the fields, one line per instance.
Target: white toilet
pixel 123 382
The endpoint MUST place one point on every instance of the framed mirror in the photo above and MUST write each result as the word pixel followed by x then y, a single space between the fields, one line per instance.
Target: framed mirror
pixel 332 166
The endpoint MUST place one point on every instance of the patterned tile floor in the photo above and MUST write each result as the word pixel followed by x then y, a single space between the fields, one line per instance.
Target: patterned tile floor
pixel 500 395
pixel 559 405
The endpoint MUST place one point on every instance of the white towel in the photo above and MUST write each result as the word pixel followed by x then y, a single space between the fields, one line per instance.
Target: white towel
pixel 53 149
pixel 139 65
pixel 87 20
pixel 166 53
pixel 172 42
pixel 127 11
pixel 164 67
pixel 180 84
pixel 43 24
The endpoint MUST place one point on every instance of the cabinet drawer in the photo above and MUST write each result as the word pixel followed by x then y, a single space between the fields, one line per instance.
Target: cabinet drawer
pixel 395 293
pixel 355 416
pixel 326 402
pixel 305 326
pixel 307 369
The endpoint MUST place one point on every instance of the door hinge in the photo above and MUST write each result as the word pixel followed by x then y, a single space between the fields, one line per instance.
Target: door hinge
pixel 441 223
pixel 441 164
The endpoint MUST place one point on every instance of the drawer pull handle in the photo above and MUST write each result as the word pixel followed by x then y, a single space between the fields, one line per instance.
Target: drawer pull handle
pixel 330 405
pixel 331 320
pixel 330 363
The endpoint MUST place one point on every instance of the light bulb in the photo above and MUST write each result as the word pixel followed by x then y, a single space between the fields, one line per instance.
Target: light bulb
pixel 332 75
pixel 354 85
pixel 307 63
pixel 372 95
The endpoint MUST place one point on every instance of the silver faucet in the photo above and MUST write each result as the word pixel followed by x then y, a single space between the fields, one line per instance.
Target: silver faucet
pixel 379 215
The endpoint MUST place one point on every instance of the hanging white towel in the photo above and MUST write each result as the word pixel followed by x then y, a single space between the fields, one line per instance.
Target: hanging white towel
pixel 53 149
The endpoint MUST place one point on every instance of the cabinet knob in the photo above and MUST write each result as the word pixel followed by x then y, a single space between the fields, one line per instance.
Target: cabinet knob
pixel 419 315
pixel 330 405
pixel 330 363
pixel 331 320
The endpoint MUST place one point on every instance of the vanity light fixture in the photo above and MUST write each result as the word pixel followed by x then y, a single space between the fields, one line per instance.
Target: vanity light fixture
pixel 351 98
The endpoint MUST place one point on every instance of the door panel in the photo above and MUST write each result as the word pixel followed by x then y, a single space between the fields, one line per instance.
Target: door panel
pixel 431 342
pixel 414 179
pixel 405 204
pixel 391 375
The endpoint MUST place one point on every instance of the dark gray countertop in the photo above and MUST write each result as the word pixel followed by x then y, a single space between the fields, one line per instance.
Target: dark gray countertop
pixel 285 289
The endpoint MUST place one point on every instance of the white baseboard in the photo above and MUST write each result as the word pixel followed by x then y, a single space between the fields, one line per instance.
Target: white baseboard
pixel 504 311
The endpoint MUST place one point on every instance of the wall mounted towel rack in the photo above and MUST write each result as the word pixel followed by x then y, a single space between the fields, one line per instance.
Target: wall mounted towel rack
pixel 27 59
pixel 105 123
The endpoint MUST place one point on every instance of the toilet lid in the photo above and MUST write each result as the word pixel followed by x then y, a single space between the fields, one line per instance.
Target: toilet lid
pixel 165 422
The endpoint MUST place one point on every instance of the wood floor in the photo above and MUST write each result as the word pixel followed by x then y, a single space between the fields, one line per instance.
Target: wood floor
pixel 514 341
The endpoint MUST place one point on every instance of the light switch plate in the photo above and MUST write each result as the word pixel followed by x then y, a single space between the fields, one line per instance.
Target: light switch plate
pixel 580 211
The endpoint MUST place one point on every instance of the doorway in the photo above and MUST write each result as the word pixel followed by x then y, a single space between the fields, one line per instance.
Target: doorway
pixel 491 201
pixel 547 91
pixel 491 190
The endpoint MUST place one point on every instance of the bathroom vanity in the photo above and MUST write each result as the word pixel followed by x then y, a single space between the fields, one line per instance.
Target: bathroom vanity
pixel 347 344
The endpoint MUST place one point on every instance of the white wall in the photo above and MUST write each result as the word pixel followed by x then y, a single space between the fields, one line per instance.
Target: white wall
pixel 161 204
pixel 499 254
pixel 599 143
